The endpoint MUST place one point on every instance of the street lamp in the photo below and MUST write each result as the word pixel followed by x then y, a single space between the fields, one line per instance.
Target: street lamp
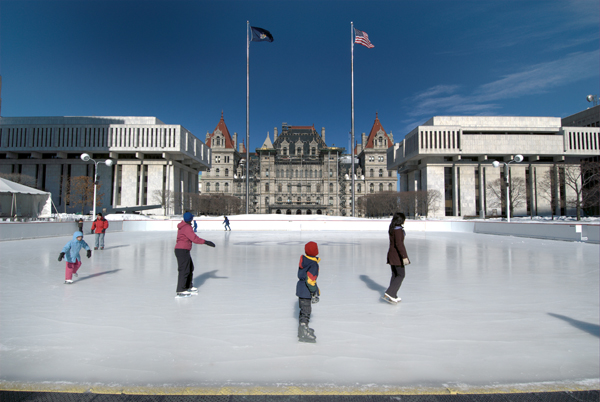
pixel 518 159
pixel 108 162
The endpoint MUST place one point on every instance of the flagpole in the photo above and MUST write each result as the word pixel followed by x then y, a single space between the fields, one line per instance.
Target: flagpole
pixel 352 133
pixel 247 115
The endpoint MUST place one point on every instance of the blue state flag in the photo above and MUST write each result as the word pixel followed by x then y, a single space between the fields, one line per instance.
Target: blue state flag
pixel 261 35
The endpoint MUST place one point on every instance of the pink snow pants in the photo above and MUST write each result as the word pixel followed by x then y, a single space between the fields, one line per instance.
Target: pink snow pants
pixel 71 269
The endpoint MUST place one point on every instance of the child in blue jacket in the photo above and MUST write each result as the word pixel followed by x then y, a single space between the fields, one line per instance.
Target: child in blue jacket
pixel 307 290
pixel 71 253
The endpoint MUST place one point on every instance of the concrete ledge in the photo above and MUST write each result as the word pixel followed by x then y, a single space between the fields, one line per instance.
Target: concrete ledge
pixel 35 230
pixel 554 231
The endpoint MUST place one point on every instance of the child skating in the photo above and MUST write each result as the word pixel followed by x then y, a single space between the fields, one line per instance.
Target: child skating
pixel 307 290
pixel 71 254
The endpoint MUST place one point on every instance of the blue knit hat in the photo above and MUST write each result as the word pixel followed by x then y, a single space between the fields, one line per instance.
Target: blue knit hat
pixel 188 217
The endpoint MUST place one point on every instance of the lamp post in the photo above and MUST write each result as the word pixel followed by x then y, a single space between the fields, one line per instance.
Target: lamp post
pixel 107 162
pixel 517 159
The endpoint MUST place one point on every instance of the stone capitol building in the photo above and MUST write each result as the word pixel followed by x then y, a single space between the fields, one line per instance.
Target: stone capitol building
pixel 298 173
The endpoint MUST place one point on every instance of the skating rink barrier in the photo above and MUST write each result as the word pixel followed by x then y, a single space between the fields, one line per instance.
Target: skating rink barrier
pixel 587 233
pixel 560 396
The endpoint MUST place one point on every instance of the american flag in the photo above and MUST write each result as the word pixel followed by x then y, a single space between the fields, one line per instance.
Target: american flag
pixel 362 38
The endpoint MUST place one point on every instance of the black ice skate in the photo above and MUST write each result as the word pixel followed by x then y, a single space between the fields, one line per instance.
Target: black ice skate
pixel 306 334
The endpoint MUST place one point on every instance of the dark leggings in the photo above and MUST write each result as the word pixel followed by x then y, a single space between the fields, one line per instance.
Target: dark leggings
pixel 398 274
pixel 185 266
pixel 305 309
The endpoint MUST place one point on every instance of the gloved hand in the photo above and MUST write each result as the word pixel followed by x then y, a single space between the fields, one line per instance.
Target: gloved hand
pixel 314 299
pixel 60 256
pixel 92 232
pixel 89 253
pixel 103 230
pixel 406 261
pixel 209 243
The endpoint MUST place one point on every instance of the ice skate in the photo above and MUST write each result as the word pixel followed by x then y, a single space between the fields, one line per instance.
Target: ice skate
pixel 305 334
pixel 181 295
pixel 390 299
pixel 68 282
pixel 192 290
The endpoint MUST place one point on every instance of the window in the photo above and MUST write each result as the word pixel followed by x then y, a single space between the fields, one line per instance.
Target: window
pixel 226 172
pixel 299 200
pixel 371 173
pixel 380 172
pixel 313 151
pixel 279 187
pixel 284 151
pixel 226 187
pixel 331 187
pixel 318 188
pixel 299 188
pixel 330 200
pixel 266 186
pixel 289 186
pixel 330 172
pixel 371 188
pixel 279 200
pixel 390 187
pixel 217 187
pixel 266 200
pixel 299 151
pixel 208 187
pixel 267 173
pixel 358 187
pixel 217 158
pixel 380 187
pixel 217 172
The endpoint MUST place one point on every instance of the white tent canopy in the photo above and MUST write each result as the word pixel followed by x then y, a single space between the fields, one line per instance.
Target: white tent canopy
pixel 19 200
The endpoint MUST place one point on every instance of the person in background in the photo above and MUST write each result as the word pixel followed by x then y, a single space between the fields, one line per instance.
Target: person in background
pixel 226 223
pixel 80 225
pixel 99 229
pixel 397 257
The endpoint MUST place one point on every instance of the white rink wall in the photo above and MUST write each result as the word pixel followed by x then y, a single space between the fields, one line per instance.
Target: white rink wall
pixel 570 231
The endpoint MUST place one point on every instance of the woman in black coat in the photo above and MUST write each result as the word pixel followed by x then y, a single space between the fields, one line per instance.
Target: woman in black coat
pixel 396 257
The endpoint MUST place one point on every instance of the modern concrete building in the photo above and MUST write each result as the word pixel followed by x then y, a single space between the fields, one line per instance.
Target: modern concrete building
pixel 454 155
pixel 151 158
pixel 298 173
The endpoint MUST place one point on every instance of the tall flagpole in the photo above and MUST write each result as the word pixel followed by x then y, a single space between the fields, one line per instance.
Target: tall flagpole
pixel 352 133
pixel 247 115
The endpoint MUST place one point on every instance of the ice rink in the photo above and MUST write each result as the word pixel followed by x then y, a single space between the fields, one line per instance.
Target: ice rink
pixel 476 311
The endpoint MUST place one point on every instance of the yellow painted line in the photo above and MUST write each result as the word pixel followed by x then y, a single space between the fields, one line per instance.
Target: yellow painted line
pixel 301 390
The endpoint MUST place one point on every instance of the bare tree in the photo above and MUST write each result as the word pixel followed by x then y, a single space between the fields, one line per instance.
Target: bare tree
pixel 164 198
pixel 518 193
pixel 81 192
pixel 579 177
pixel 546 184
pixel 23 179
pixel 428 202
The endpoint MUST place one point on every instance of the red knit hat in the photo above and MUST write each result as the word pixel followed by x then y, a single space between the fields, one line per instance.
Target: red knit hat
pixel 311 249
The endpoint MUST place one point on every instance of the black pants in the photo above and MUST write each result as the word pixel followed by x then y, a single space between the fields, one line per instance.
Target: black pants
pixel 185 266
pixel 398 274
pixel 305 309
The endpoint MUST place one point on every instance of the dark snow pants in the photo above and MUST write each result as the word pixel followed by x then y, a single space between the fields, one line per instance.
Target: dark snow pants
pixel 185 266
pixel 398 273
pixel 305 309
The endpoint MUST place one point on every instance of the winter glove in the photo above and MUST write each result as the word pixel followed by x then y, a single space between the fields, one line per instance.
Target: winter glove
pixel 60 257
pixel 89 253
pixel 92 232
pixel 406 261
pixel 314 299
pixel 209 243
pixel 103 230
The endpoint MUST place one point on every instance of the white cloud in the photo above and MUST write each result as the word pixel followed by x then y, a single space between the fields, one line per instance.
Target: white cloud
pixel 534 79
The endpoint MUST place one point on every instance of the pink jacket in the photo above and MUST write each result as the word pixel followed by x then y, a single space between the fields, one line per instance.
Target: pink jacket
pixel 186 236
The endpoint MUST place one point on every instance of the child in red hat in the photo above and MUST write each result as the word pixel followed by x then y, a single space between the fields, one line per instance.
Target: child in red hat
pixel 307 290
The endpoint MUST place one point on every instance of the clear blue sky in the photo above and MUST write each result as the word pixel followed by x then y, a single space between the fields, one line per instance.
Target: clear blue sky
pixel 185 61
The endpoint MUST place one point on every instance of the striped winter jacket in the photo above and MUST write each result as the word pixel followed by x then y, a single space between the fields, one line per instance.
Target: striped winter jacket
pixel 308 270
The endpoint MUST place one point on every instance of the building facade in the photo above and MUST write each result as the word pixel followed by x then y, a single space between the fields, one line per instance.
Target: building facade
pixel 453 155
pixel 151 158
pixel 297 173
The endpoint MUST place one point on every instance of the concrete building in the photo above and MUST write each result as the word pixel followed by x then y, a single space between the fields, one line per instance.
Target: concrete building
pixel 297 173
pixel 151 158
pixel 454 155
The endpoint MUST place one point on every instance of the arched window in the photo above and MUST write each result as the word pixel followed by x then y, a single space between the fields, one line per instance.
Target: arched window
pixel 380 187
pixel 371 188
pixel 289 187
pixel 390 187
pixel 331 187
pixel 217 172
pixel 226 172
pixel 299 201
pixel 226 187
pixel 279 200
pixel 266 186
pixel 358 187
pixel 217 187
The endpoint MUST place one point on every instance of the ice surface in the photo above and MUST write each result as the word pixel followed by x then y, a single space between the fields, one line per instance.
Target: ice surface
pixel 476 309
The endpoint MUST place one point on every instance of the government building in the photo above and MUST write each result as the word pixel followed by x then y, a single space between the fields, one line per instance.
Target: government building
pixel 454 155
pixel 297 173
pixel 151 159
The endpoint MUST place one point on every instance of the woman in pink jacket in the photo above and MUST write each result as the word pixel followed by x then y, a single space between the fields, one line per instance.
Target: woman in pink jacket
pixel 185 265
